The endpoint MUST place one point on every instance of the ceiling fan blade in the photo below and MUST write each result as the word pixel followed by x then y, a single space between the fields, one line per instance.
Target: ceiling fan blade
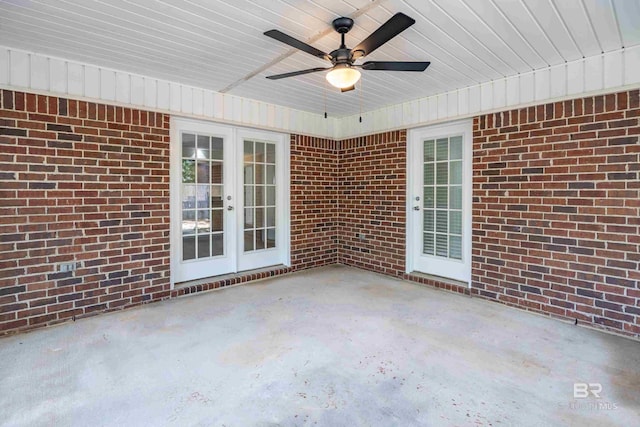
pixel 347 89
pixel 395 66
pixel 296 73
pixel 286 39
pixel 394 26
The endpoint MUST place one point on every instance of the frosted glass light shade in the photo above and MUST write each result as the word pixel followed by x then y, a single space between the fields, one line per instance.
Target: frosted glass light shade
pixel 343 77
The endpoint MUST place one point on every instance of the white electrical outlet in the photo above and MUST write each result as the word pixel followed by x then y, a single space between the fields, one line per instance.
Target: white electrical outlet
pixel 66 266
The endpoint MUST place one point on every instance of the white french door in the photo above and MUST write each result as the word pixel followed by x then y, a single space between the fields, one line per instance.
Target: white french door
pixel 439 200
pixel 229 199
pixel 261 210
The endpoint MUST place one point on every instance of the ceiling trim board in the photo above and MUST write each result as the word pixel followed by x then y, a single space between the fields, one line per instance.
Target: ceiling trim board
pixel 115 87
pixel 596 80
pixel 599 74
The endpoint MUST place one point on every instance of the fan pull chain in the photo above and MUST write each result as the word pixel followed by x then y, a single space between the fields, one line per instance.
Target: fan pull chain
pixel 360 100
pixel 325 98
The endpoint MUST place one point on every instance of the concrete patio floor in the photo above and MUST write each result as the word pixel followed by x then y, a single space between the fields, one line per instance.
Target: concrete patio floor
pixel 333 346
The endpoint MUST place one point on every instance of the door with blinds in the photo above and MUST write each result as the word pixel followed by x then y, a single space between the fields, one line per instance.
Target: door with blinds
pixel 229 204
pixel 439 201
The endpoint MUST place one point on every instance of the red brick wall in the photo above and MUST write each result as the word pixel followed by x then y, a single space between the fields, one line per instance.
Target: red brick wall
pixel 556 209
pixel 87 183
pixel 555 220
pixel 371 201
pixel 313 201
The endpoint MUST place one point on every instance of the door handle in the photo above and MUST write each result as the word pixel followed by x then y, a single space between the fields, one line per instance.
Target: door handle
pixel 229 208
pixel 416 208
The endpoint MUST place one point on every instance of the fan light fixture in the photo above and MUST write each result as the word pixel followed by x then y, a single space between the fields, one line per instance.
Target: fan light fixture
pixel 342 76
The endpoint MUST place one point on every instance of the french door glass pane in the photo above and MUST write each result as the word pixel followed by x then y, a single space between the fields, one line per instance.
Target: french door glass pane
pixel 217 150
pixel 455 247
pixel 188 171
pixel 261 241
pixel 217 200
pixel 427 244
pixel 441 245
pixel 249 221
pixel 248 196
pixel 429 150
pixel 271 195
pixel 248 240
pixel 271 153
pixel 271 238
pixel 217 244
pixel 188 222
pixel 271 175
pixel 442 173
pixel 260 152
pixel 259 218
pixel 455 222
pixel 188 146
pixel 204 221
pixel 455 197
pixel 259 175
pixel 455 171
pixel 442 222
pixel 442 149
pixel 455 148
pixel 203 146
pixel 202 196
pixel 271 217
pixel 442 197
pixel 260 194
pixel 203 192
pixel 216 172
pixel 428 220
pixel 204 245
pixel 429 173
pixel 217 220
pixel 188 248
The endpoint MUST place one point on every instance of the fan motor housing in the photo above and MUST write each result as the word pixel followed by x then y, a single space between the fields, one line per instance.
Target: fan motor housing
pixel 341 56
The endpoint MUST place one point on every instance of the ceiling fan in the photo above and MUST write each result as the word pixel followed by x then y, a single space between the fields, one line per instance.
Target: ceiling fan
pixel 344 73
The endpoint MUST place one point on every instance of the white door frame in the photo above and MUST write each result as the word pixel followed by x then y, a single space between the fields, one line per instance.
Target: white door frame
pixel 233 183
pixel 415 260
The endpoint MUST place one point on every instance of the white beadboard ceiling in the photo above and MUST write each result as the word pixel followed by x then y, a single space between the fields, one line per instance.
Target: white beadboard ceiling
pixel 219 45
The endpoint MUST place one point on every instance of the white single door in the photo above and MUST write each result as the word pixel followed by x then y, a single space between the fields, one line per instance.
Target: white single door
pixel 439 201
pixel 229 200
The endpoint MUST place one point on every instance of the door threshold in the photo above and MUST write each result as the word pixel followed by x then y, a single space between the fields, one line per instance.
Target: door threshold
pixel 245 276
